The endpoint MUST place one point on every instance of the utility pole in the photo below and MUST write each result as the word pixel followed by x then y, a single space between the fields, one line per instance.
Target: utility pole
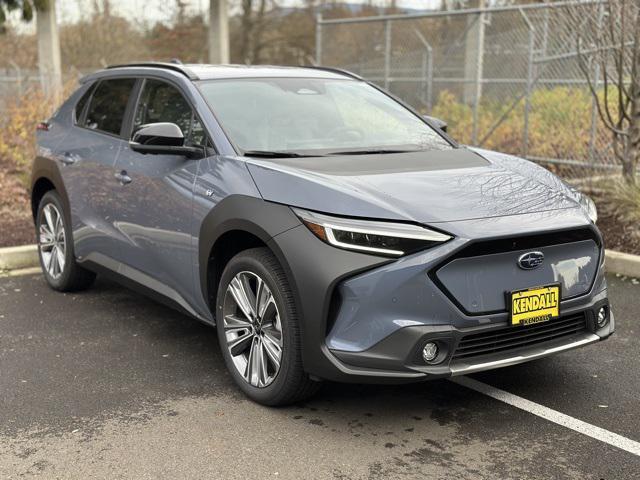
pixel 218 32
pixel 49 63
pixel 473 65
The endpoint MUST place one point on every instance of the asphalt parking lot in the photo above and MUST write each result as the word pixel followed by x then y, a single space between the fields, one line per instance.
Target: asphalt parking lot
pixel 109 384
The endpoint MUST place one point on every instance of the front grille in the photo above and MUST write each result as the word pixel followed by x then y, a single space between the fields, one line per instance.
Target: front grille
pixel 525 242
pixel 509 338
pixel 476 277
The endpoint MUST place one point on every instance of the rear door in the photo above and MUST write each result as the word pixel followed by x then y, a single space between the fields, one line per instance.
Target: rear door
pixel 88 156
pixel 156 197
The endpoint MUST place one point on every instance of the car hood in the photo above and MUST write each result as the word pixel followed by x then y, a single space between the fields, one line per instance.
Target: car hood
pixel 425 187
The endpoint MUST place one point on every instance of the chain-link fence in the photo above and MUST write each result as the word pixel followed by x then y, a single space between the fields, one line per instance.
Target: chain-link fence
pixel 17 82
pixel 503 78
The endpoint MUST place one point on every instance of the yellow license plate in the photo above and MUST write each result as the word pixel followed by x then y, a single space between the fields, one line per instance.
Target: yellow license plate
pixel 535 305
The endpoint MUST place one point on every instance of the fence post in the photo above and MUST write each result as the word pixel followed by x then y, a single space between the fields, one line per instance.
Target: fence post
pixel 530 74
pixel 545 32
pixel 427 71
pixel 16 67
pixel 423 77
pixel 477 94
pixel 319 39
pixel 430 80
pixel 387 53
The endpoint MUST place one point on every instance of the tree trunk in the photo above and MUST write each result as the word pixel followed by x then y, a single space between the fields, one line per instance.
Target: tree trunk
pixel 246 22
pixel 632 154
pixel 218 32
pixel 258 33
pixel 49 63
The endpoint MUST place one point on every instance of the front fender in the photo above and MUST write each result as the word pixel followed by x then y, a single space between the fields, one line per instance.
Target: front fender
pixel 258 217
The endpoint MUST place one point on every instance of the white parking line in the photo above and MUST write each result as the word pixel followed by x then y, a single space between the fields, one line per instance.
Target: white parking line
pixel 554 416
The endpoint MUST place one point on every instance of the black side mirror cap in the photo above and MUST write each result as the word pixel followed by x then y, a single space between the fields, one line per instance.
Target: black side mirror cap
pixel 189 152
pixel 436 122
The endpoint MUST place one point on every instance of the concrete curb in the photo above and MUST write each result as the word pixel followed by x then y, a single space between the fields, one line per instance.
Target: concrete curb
pixel 26 256
pixel 622 263
pixel 14 258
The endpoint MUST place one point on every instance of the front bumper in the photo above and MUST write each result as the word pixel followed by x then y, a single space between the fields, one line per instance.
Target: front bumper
pixel 400 352
pixel 366 318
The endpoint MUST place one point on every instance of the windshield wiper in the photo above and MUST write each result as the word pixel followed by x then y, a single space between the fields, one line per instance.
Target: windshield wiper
pixel 372 151
pixel 274 154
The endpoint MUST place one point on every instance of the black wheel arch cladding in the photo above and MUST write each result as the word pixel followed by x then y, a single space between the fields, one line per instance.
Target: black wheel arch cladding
pixel 46 170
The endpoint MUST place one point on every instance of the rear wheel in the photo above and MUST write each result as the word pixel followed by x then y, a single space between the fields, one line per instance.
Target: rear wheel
pixel 55 247
pixel 258 330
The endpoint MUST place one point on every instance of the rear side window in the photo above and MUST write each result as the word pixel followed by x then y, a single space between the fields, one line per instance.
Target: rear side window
pixel 109 104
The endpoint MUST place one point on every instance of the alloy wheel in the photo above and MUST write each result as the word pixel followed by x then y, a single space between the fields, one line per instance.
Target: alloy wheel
pixel 252 328
pixel 51 241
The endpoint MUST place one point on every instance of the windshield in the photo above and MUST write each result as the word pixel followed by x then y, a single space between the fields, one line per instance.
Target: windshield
pixel 312 115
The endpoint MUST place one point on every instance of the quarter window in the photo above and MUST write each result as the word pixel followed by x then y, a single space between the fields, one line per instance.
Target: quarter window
pixel 81 104
pixel 161 102
pixel 109 104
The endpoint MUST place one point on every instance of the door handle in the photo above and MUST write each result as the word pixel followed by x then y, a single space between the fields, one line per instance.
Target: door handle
pixel 122 177
pixel 68 158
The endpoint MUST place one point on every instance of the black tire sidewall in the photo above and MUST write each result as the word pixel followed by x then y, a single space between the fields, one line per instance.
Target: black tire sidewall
pixel 63 280
pixel 249 261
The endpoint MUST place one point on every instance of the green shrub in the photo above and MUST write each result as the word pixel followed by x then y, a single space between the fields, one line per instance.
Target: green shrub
pixel 559 123
pixel 21 115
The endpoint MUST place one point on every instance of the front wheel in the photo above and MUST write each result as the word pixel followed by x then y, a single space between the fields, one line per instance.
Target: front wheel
pixel 258 330
pixel 55 247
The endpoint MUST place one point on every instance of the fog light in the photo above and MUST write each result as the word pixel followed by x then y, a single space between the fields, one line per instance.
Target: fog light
pixel 430 352
pixel 602 317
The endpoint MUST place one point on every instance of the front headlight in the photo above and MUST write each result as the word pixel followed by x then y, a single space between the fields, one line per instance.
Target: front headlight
pixel 589 207
pixel 384 238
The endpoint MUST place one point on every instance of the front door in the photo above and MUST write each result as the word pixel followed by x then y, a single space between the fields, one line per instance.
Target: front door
pixel 156 199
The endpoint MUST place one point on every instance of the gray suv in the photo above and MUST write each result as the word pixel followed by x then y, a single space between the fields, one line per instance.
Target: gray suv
pixel 326 229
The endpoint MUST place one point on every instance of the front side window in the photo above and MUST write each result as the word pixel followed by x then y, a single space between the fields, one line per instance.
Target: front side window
pixel 313 115
pixel 109 104
pixel 161 102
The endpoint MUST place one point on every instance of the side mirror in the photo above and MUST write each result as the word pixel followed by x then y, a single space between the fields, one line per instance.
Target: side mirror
pixel 162 139
pixel 436 122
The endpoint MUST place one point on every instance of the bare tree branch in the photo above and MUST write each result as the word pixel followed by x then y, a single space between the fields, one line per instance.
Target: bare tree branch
pixel 610 35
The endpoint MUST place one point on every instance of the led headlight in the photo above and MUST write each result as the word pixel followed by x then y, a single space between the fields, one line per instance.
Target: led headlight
pixel 589 207
pixel 384 238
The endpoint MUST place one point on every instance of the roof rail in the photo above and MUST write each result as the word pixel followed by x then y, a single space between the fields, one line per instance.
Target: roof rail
pixel 341 71
pixel 165 65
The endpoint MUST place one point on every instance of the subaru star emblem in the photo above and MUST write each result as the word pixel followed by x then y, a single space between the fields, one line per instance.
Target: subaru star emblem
pixel 530 260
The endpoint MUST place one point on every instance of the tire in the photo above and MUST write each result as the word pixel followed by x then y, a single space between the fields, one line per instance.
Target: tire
pixel 257 339
pixel 54 236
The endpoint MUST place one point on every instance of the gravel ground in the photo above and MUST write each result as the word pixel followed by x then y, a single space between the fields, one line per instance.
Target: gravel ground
pixel 17 225
pixel 619 236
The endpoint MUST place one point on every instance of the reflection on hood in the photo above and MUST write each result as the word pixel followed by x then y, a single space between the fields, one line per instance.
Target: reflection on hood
pixel 426 186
